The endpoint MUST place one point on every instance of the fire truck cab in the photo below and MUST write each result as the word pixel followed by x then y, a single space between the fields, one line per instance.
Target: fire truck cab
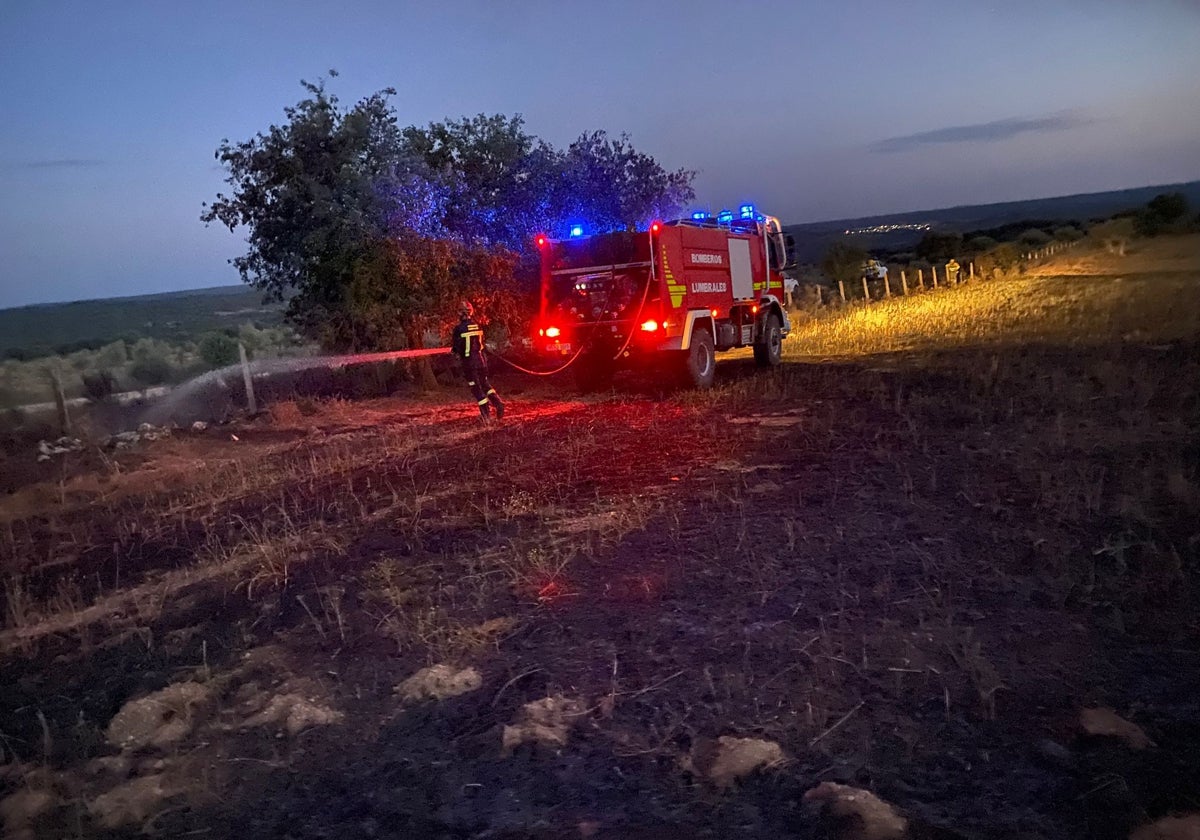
pixel 668 297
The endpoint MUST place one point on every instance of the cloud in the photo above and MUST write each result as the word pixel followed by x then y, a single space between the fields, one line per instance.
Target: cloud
pixel 988 132
pixel 61 163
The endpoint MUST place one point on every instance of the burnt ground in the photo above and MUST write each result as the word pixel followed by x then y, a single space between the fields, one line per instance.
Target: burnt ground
pixel 911 572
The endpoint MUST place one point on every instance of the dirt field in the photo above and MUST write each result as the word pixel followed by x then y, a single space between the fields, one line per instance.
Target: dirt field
pixel 906 562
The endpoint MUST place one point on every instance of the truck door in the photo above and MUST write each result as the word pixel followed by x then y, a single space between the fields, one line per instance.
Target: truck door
pixel 741 277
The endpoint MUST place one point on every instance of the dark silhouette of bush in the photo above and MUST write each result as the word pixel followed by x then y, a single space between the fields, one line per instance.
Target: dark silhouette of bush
pixel 1163 214
pixel 151 370
pixel 938 246
pixel 997 261
pixel 843 261
pixel 1034 238
pixel 99 386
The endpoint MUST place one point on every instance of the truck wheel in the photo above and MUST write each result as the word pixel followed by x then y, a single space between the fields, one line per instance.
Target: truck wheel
pixel 769 351
pixel 700 363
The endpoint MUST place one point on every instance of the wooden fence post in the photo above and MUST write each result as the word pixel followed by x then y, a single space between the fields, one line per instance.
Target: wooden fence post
pixel 921 279
pixel 60 403
pixel 251 403
pixel 971 270
pixel 933 271
pixel 887 286
pixel 903 282
pixel 842 290
pixel 866 291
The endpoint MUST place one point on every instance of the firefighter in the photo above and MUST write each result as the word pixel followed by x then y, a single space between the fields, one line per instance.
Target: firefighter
pixel 468 346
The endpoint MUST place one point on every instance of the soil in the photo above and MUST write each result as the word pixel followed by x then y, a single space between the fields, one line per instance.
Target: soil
pixel 910 573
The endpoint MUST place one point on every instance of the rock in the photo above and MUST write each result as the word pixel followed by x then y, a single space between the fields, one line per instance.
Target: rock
pixel 199 426
pixel 132 802
pixel 158 719
pixel 858 814
pixel 438 682
pixel 19 810
pixel 1106 722
pixel 1186 827
pixel 732 758
pixel 294 713
pixel 547 721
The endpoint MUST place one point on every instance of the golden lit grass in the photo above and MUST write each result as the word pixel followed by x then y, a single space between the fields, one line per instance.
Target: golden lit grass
pixel 1143 256
pixel 1032 309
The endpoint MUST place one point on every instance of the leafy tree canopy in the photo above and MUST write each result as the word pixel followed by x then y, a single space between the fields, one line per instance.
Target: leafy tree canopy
pixel 938 246
pixel 373 232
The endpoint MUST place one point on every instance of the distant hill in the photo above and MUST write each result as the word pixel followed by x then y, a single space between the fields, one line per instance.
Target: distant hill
pixel 171 316
pixel 813 238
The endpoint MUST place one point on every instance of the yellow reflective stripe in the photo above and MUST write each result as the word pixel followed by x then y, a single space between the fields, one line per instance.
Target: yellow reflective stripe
pixel 491 390
pixel 470 381
pixel 483 402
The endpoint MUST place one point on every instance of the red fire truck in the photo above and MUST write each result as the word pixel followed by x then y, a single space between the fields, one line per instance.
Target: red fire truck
pixel 668 297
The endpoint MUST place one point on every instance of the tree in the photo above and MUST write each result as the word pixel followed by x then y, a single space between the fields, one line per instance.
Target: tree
pixel 611 186
pixel 373 233
pixel 1067 233
pixel 939 246
pixel 151 370
pixel 1034 238
pixel 843 262
pixel 1162 213
pixel 218 349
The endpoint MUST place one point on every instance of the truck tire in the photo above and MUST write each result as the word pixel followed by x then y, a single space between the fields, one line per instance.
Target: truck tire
pixel 769 351
pixel 700 360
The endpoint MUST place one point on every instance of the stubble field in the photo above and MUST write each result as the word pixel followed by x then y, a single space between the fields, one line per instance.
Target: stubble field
pixel 905 562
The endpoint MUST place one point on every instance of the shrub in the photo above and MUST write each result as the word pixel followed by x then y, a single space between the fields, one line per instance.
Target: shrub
pixel 218 349
pixel 1067 233
pixel 151 370
pixel 997 261
pixel 1034 238
pixel 1162 214
pixel 99 386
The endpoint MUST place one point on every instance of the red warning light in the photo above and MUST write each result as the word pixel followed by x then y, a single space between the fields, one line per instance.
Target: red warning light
pixel 553 332
pixel 655 227
pixel 650 326
pixel 541 240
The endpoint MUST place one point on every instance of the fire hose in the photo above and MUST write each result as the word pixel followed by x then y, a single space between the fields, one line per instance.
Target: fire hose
pixel 641 307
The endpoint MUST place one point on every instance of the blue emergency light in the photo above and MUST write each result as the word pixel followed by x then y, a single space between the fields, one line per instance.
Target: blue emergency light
pixel 576 230
pixel 725 217
pixel 700 215
pixel 746 211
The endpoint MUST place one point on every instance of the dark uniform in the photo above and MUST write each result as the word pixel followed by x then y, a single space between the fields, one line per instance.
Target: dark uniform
pixel 468 346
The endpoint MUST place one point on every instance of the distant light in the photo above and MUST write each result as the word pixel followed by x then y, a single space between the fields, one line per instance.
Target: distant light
pixel 746 211
pixel 576 230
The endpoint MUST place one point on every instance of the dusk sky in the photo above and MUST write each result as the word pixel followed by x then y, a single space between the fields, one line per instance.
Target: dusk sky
pixel 111 111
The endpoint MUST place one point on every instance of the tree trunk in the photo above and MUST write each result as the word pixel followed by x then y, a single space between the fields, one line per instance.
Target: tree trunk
pixel 421 368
